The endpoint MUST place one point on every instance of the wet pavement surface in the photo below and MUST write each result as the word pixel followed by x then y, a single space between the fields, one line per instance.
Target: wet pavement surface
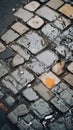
pixel 36 67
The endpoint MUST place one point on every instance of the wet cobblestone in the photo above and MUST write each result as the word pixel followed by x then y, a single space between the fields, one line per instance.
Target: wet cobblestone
pixel 36 66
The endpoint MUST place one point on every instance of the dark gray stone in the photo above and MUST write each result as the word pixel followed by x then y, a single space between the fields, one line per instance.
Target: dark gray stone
pixel 36 125
pixel 28 118
pixel 10 101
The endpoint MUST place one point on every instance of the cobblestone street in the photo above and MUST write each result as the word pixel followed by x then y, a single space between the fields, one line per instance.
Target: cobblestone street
pixel 36 67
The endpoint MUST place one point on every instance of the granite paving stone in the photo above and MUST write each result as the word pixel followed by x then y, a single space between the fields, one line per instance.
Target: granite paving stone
pixel 33 42
pixel 30 94
pixel 19 27
pixel 9 36
pixel 47 54
pixel 49 79
pixel 10 101
pixel 17 60
pixel 32 6
pixel 36 22
pixel 2 47
pixel 23 14
pixel 70 67
pixel 50 31
pixel 59 104
pixel 43 91
pixel 69 79
pixel 55 4
pixel 28 118
pixel 67 10
pixel 36 125
pixel 41 108
pixel 62 22
pixel 3 69
pixel 47 13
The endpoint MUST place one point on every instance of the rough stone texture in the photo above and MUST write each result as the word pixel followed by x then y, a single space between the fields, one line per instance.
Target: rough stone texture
pixel 45 76
pixel 9 36
pixel 69 79
pixel 3 69
pixel 43 91
pixel 2 47
pixel 32 6
pixel 62 22
pixel 36 22
pixel 41 108
pixel 36 125
pixel 31 43
pixel 28 118
pixel 24 14
pixel 30 94
pixel 67 10
pixel 70 67
pixel 22 125
pixel 47 13
pixel 10 101
pixel 47 57
pixel 19 27
pixel 17 60
pixel 59 104
pixel 50 31
pixel 55 4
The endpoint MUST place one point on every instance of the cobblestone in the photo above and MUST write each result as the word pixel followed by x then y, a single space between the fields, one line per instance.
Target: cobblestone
pixel 2 47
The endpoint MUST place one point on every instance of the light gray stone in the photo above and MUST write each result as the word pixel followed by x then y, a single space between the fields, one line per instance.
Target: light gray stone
pixel 70 67
pixel 2 47
pixel 3 69
pixel 28 118
pixel 10 101
pixel 69 79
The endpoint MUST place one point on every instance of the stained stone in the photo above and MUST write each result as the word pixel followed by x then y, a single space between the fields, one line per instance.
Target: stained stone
pixel 7 54
pixel 2 47
pixel 47 13
pixel 23 52
pixel 33 42
pixel 43 91
pixel 20 110
pixel 59 104
pixel 10 101
pixel 30 94
pixel 67 10
pixel 17 60
pixel 69 79
pixel 19 27
pixel 36 125
pixel 49 75
pixel 70 67
pixel 36 22
pixel 41 108
pixel 9 36
pixel 55 4
pixel 67 96
pixel 32 6
pixel 36 66
pixel 23 14
pixel 62 22
pixel 50 31
pixel 3 69
pixel 28 118
pixel 58 68
pixel 45 57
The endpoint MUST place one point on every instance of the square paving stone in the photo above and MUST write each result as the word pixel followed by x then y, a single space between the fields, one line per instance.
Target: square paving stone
pixel 43 91
pixel 9 36
pixel 30 94
pixel 62 22
pixel 24 14
pixel 32 6
pixel 23 52
pixel 40 108
pixel 67 96
pixel 20 110
pixel 36 125
pixel 36 22
pixel 45 57
pixel 36 66
pixel 10 101
pixel 59 104
pixel 49 79
pixel 70 67
pixel 50 31
pixel 69 79
pixel 19 27
pixel 28 118
pixel 47 13
pixel 2 47
pixel 33 42
pixel 55 4
pixel 58 68
pixel 67 10
pixel 3 69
